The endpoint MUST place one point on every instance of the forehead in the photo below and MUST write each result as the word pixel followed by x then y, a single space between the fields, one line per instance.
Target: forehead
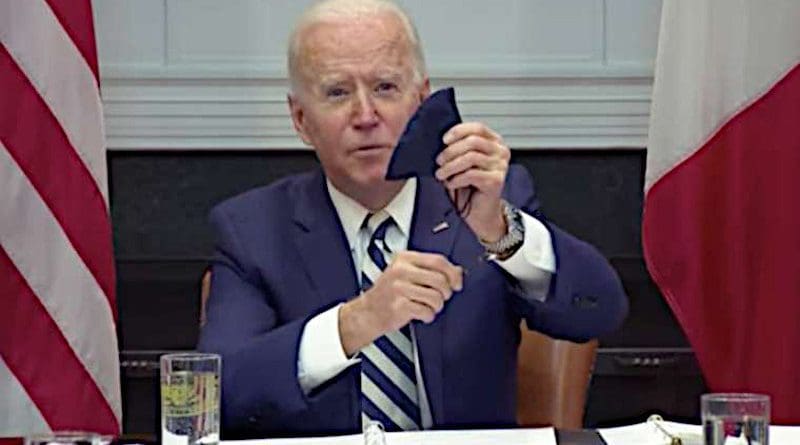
pixel 368 43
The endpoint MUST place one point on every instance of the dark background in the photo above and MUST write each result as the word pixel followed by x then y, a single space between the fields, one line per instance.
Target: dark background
pixel 159 204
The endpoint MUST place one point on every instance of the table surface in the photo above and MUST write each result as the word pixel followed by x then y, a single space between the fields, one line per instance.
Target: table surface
pixel 564 437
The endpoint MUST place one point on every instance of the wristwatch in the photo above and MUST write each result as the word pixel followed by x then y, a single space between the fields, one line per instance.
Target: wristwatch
pixel 509 243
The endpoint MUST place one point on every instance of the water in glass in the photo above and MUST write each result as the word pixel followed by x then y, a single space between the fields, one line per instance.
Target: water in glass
pixel 735 430
pixel 190 408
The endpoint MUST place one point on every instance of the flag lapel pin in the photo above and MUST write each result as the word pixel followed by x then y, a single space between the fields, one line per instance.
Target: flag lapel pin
pixel 442 226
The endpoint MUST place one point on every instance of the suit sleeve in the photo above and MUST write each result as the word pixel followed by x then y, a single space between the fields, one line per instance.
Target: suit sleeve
pixel 260 387
pixel 586 298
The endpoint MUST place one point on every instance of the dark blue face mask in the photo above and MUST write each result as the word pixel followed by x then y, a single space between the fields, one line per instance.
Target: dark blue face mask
pixel 420 143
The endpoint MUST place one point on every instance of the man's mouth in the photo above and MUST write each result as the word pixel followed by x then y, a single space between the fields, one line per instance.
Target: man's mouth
pixel 371 147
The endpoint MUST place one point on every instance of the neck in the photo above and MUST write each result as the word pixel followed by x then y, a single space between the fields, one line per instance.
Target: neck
pixel 375 197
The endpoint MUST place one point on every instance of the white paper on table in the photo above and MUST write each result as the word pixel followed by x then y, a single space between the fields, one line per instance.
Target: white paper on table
pixel 780 435
pixel 647 434
pixel 527 436
pixel 353 439
pixel 168 438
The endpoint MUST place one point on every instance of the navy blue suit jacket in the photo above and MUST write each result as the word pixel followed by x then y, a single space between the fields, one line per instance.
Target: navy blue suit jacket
pixel 282 257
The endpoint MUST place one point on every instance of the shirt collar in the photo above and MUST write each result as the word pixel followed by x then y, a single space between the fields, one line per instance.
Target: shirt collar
pixel 352 214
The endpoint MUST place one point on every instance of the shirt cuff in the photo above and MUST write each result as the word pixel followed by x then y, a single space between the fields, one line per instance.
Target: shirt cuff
pixel 321 356
pixel 535 261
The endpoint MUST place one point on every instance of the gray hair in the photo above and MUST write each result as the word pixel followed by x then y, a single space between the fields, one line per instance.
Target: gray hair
pixel 344 9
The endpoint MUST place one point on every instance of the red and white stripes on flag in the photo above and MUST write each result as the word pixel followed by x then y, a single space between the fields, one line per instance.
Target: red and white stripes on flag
pixel 59 364
pixel 721 228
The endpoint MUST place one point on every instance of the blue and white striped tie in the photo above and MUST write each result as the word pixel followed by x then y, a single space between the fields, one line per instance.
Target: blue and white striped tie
pixel 388 379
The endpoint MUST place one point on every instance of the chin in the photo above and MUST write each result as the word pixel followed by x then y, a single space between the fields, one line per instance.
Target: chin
pixel 374 180
pixel 374 170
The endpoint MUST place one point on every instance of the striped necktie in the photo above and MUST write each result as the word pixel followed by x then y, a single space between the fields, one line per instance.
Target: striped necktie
pixel 388 378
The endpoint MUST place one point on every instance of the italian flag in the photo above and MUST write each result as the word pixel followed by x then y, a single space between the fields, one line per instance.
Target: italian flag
pixel 721 225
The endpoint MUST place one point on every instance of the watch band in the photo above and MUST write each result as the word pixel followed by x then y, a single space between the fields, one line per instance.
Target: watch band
pixel 509 243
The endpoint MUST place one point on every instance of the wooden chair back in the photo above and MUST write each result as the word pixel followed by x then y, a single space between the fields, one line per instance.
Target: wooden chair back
pixel 552 380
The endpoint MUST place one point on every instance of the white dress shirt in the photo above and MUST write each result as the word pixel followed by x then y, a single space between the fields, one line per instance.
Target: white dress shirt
pixel 321 356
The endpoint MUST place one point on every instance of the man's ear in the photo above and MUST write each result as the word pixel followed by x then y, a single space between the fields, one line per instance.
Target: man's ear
pixel 425 91
pixel 298 118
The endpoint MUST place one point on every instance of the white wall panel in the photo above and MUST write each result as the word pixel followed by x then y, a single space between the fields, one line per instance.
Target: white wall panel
pixel 189 74
pixel 235 32
pixel 512 36
pixel 130 33
pixel 632 31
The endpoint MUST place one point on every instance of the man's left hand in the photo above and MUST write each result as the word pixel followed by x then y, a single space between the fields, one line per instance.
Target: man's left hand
pixel 476 156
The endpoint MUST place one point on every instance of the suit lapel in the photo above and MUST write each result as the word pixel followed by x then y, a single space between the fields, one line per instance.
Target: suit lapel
pixel 435 227
pixel 322 244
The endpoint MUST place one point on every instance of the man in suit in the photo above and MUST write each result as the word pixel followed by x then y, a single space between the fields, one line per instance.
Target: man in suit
pixel 340 297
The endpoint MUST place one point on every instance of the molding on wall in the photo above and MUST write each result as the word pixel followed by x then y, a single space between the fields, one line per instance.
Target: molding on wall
pixel 213 107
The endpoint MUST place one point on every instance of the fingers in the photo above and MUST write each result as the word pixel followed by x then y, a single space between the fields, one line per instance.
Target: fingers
pixel 415 286
pixel 482 180
pixel 427 263
pixel 419 311
pixel 472 160
pixel 472 145
pixel 429 279
pixel 425 279
pixel 465 129
pixel 473 142
pixel 427 296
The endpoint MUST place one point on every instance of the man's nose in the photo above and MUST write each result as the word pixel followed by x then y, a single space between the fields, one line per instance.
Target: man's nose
pixel 365 114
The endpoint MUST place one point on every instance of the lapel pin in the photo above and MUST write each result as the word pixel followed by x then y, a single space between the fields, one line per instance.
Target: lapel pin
pixel 441 226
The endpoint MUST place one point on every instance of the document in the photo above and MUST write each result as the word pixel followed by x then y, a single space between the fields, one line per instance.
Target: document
pixel 527 436
pixel 779 435
pixel 647 434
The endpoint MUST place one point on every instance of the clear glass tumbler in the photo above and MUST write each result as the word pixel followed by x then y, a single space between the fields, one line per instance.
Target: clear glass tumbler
pixel 736 418
pixel 190 398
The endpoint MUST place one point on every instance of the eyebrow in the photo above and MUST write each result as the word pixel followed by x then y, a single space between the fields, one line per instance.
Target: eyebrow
pixel 389 75
pixel 389 71
pixel 334 79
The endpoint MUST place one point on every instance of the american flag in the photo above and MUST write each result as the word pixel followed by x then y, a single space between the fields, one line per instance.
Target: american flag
pixel 59 364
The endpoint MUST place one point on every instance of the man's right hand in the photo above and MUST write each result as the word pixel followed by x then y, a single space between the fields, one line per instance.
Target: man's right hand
pixel 415 286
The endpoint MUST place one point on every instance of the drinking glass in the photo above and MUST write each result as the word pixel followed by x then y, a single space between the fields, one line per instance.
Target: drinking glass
pixel 190 398
pixel 736 418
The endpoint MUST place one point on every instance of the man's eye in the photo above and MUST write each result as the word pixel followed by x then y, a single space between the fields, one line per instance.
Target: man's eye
pixel 335 92
pixel 386 87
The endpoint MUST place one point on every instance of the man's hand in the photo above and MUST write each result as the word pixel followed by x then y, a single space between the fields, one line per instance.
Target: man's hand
pixel 415 286
pixel 476 156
